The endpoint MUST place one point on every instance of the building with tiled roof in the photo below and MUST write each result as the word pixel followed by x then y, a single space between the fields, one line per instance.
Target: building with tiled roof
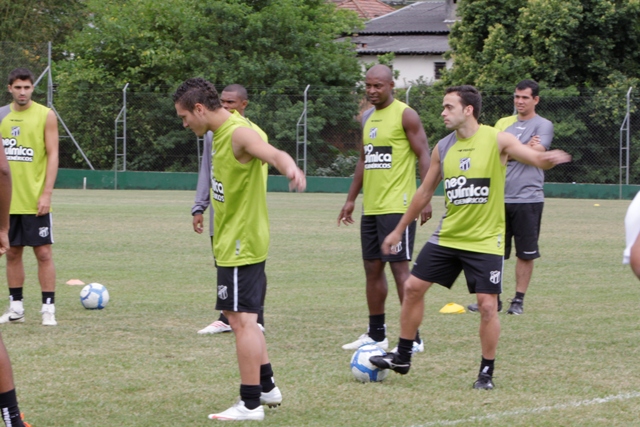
pixel 418 36
pixel 366 9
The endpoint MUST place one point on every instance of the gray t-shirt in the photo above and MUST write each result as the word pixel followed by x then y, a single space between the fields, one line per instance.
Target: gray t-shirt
pixel 525 182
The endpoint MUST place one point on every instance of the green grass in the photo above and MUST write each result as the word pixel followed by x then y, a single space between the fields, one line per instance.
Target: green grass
pixel 140 362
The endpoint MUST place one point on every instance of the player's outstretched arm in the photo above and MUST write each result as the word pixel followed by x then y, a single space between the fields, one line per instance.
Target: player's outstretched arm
pixel 418 140
pixel 511 147
pixel 418 202
pixel 51 146
pixel 346 212
pixel 248 144
pixel 5 202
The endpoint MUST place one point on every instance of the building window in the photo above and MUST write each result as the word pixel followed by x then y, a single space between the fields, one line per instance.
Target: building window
pixel 439 66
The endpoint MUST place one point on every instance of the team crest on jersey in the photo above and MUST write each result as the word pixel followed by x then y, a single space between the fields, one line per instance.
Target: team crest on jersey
pixel 43 231
pixel 222 292
pixel 377 157
pixel 373 132
pixel 494 277
pixel 465 164
pixel 15 131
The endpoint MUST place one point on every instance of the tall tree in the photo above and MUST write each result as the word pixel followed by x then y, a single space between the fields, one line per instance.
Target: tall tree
pixel 584 43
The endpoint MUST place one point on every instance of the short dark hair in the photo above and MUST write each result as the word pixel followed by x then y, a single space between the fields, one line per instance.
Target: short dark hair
pixel 239 89
pixel 531 84
pixel 469 95
pixel 21 74
pixel 197 91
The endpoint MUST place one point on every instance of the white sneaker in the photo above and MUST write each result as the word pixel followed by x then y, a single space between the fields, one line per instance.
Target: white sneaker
pixel 48 315
pixel 271 399
pixel 418 347
pixel 216 327
pixel 239 412
pixel 12 316
pixel 365 339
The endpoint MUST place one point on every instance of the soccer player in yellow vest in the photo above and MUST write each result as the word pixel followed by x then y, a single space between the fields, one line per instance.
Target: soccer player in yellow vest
pixel 233 98
pixel 393 140
pixel 8 399
pixel 30 138
pixel 241 233
pixel 472 163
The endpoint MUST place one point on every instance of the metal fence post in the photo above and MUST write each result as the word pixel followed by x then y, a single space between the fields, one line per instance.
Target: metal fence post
pixel 121 118
pixel 625 128
pixel 303 119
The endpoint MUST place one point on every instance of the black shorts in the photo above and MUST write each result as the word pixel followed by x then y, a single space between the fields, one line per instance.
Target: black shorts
pixel 242 289
pixel 523 225
pixel 442 265
pixel 374 229
pixel 30 230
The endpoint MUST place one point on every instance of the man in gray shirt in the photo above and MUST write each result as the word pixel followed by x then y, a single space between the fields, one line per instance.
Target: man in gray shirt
pixel 523 193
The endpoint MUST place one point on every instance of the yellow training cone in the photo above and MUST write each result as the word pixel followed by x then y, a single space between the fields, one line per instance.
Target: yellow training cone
pixel 452 307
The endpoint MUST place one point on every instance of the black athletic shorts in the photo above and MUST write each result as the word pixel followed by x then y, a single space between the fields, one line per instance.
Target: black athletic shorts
pixel 374 229
pixel 442 265
pixel 30 230
pixel 242 289
pixel 523 225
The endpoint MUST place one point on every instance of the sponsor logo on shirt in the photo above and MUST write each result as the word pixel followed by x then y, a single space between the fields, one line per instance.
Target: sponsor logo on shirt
pixel 15 152
pixel 461 190
pixel 376 157
pixel 217 189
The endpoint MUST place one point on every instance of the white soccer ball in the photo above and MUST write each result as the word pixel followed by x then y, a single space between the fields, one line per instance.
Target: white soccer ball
pixel 362 369
pixel 94 296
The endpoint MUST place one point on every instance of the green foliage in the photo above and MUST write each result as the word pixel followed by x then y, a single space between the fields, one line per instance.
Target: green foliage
pixel 40 21
pixel 275 48
pixel 343 165
pixel 559 42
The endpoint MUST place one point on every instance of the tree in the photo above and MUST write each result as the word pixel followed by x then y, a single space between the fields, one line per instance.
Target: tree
pixel 559 42
pixel 40 21
pixel 273 47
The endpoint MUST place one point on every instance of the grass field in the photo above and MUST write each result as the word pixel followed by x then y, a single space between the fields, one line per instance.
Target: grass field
pixel 570 360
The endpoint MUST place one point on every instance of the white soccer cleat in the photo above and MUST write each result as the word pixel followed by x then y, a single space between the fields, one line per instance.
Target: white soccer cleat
pixel 216 327
pixel 12 316
pixel 365 339
pixel 239 412
pixel 271 399
pixel 48 315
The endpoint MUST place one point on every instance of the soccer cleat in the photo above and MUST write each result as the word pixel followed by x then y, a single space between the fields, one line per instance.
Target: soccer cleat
pixel 365 339
pixel 474 307
pixel 271 399
pixel 48 318
pixel 484 382
pixel 216 327
pixel 239 412
pixel 12 316
pixel 261 328
pixel 391 361
pixel 516 306
pixel 418 347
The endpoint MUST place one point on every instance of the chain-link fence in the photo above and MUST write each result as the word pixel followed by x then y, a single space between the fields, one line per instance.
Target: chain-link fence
pixel 587 124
